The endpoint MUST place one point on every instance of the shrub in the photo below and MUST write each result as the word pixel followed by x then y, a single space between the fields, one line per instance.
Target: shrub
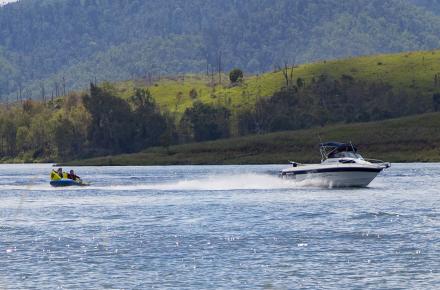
pixel 236 75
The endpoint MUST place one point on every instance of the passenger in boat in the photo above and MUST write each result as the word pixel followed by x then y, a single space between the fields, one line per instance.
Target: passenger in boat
pixel 73 176
pixel 54 175
pixel 61 173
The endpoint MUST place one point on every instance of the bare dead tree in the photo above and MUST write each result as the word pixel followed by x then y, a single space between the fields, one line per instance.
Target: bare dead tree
pixel 207 65
pixel 64 86
pixel 56 90
pixel 212 76
pixel 20 89
pixel 219 64
pixel 287 71
pixel 291 73
pixel 28 93
pixel 43 93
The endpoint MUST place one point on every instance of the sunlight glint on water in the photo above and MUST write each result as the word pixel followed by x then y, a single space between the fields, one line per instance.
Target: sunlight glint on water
pixel 217 227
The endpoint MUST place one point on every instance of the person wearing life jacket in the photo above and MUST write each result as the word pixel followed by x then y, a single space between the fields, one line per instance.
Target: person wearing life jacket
pixel 61 173
pixel 73 176
pixel 54 175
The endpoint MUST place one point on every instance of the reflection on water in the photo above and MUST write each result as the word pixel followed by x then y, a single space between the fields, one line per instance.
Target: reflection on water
pixel 217 227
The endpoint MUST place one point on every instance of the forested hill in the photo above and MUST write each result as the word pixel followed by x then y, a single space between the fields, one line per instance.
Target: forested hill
pixel 49 46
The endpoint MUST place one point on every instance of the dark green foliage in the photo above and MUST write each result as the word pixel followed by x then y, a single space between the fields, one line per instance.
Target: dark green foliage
pixel 9 133
pixel 100 123
pixel 170 136
pixel 193 94
pixel 206 122
pixel 300 83
pixel 93 124
pixel 117 128
pixel 149 124
pixel 328 101
pixel 409 139
pixel 111 128
pixel 436 101
pixel 42 41
pixel 236 75
pixel 65 139
pixel 247 123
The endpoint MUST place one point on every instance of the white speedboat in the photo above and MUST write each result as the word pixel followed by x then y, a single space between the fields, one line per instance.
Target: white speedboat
pixel 341 166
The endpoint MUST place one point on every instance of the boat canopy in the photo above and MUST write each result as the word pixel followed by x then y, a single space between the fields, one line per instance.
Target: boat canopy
pixel 338 147
pixel 338 150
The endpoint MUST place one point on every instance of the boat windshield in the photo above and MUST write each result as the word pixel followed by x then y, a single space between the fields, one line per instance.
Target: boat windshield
pixel 338 150
pixel 345 154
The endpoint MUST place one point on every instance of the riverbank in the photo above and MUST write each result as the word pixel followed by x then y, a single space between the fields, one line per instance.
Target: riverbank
pixel 409 139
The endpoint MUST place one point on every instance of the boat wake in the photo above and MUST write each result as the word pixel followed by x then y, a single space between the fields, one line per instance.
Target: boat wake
pixel 216 183
pixel 250 181
pixel 222 182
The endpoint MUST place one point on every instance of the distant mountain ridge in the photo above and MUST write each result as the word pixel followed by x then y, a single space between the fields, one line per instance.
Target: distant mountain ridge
pixel 49 46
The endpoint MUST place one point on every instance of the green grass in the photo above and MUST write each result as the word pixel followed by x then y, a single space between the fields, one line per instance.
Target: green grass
pixel 405 72
pixel 409 139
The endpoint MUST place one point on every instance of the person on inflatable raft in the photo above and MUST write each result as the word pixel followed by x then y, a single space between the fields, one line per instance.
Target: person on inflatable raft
pixel 59 174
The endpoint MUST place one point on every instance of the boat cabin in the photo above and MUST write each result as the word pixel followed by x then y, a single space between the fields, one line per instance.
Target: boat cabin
pixel 338 150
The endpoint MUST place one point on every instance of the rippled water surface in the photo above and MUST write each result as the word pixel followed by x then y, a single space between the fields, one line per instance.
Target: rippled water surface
pixel 210 227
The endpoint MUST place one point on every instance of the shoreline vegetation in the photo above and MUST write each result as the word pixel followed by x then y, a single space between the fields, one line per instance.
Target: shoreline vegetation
pixel 409 139
pixel 237 118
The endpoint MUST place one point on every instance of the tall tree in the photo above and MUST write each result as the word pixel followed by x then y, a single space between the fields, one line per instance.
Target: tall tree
pixel 149 124
pixel 112 126
pixel 207 122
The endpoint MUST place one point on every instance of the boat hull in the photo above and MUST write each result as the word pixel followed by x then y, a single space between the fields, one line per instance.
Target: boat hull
pixel 335 177
pixel 341 166
pixel 66 182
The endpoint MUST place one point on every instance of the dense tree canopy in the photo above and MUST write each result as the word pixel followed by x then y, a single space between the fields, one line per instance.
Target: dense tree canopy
pixel 101 122
pixel 326 101
pixel 50 46
pixel 206 122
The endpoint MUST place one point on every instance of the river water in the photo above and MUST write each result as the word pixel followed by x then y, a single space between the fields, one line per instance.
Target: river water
pixel 210 227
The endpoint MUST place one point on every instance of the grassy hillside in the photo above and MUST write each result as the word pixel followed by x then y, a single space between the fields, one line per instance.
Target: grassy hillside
pixel 407 139
pixel 413 73
pixel 359 89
